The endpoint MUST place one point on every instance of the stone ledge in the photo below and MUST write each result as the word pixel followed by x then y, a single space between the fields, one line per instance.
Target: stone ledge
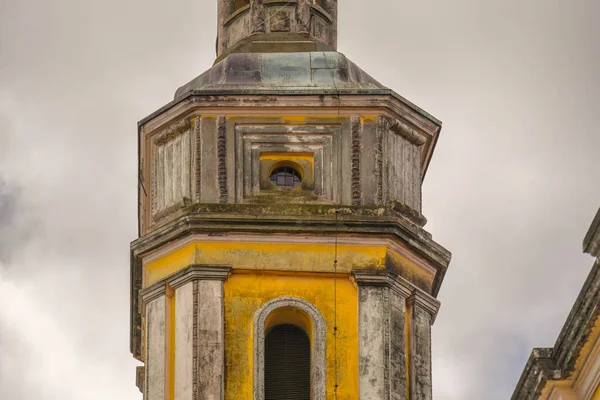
pixel 412 294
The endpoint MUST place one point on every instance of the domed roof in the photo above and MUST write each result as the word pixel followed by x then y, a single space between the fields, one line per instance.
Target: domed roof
pixel 294 72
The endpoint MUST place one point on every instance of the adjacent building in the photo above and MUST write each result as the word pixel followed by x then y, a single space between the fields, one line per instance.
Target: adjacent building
pixel 571 369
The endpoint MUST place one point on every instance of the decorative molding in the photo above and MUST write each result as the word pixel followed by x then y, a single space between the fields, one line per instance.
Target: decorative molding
pixel 171 167
pixel 303 15
pixel 409 213
pixel 257 16
pixel 425 302
pixel 222 157
pixel 198 159
pixel 318 373
pixel 140 377
pixel 278 239
pixel 400 286
pixel 370 277
pixel 184 202
pixel 153 292
pixel 386 340
pixel 194 272
pixel 172 131
pixel 356 127
pixel 406 132
pixel 199 272
pixel 381 129
pixel 195 347
pixel 322 141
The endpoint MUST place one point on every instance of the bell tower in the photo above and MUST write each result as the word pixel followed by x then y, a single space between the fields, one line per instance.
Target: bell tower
pixel 281 250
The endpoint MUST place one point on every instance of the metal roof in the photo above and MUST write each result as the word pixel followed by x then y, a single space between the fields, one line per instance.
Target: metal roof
pixel 282 71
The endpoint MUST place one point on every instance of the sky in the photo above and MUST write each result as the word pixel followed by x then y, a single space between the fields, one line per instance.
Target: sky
pixel 511 190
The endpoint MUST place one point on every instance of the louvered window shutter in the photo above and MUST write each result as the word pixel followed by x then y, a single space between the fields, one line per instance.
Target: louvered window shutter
pixel 287 364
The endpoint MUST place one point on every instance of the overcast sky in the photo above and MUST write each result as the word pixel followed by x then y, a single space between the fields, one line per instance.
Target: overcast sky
pixel 511 190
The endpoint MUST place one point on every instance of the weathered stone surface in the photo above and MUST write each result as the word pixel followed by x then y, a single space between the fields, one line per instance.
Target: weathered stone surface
pixel 211 340
pixel 276 24
pixel 373 340
pixel 185 341
pixel 421 387
pixel 397 352
pixel 198 372
pixel 382 335
pixel 155 349
pixel 314 71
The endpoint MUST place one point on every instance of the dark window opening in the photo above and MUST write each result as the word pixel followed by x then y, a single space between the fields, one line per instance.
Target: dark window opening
pixel 286 178
pixel 287 364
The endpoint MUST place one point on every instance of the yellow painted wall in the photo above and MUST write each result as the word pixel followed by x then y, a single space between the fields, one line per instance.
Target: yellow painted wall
pixel 596 395
pixel 266 256
pixel 246 292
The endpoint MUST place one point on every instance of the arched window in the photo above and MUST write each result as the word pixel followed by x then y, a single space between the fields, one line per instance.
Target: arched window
pixel 286 177
pixel 289 351
pixel 287 363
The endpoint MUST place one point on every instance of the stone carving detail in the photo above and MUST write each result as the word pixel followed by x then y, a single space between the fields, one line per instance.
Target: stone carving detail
pixel 198 160
pixel 386 338
pixel 318 373
pixel 195 348
pixel 222 157
pixel 303 15
pixel 380 131
pixel 172 131
pixel 355 161
pixel 406 132
pixel 257 16
pixel 171 183
pixel 280 22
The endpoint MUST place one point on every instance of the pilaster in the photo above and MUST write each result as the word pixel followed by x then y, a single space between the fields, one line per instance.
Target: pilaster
pixel 422 310
pixel 185 345
pixel 382 335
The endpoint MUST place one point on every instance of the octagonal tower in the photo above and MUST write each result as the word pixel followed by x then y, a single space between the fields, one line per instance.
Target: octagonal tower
pixel 281 250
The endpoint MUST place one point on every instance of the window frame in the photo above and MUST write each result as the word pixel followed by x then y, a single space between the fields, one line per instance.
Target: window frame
pixel 317 336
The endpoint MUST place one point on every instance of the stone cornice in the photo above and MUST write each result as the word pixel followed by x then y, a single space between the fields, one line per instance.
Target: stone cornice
pixel 406 132
pixel 424 301
pixel 172 131
pixel 413 295
pixel 232 218
pixel 421 245
pixel 366 277
pixel 153 292
pixel 192 273
pixel 199 272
